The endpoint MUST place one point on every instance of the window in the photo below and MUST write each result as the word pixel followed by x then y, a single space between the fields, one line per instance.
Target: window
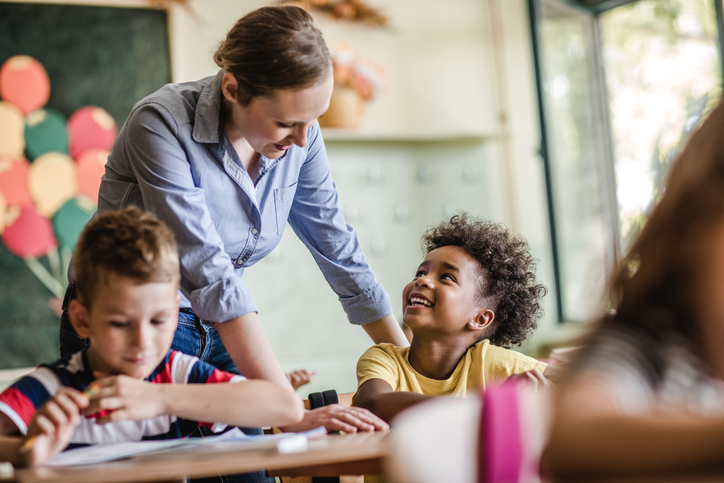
pixel 620 85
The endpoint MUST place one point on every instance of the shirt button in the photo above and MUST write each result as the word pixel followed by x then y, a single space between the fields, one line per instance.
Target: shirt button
pixel 238 263
pixel 254 231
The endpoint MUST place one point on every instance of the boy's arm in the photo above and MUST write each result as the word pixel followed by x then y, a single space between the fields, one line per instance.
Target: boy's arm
pixel 10 440
pixel 248 403
pixel 49 431
pixel 379 397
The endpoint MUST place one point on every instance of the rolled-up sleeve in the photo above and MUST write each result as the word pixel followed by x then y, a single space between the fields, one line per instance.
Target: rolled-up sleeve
pixel 151 147
pixel 317 218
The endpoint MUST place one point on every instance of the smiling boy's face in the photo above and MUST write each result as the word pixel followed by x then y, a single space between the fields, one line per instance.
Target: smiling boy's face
pixel 130 325
pixel 443 296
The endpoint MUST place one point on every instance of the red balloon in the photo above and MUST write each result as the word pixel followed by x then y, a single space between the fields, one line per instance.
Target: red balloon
pixel 91 167
pixel 25 83
pixel 30 235
pixel 14 180
pixel 90 127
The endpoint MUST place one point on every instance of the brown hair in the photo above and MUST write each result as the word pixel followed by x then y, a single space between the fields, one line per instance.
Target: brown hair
pixel 660 268
pixel 508 274
pixel 274 48
pixel 130 243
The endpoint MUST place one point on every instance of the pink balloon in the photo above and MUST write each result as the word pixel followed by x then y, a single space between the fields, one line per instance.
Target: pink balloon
pixel 14 180
pixel 30 235
pixel 90 127
pixel 91 167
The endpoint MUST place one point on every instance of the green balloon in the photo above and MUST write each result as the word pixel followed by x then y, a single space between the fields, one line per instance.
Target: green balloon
pixel 70 219
pixel 45 131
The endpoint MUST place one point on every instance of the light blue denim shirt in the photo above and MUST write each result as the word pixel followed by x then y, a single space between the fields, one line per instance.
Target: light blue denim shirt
pixel 172 157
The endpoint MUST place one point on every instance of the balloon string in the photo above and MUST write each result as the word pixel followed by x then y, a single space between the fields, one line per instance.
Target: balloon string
pixel 45 278
pixel 65 256
pixel 54 261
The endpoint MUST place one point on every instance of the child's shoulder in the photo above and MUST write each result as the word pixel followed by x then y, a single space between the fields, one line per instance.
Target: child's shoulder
pixel 500 361
pixel 384 354
pixel 386 348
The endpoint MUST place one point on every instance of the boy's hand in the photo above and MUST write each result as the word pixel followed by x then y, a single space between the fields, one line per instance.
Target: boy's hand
pixel 534 379
pixel 123 398
pixel 300 377
pixel 338 417
pixel 52 426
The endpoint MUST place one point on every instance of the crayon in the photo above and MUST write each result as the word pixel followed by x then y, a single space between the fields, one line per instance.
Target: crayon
pixel 90 391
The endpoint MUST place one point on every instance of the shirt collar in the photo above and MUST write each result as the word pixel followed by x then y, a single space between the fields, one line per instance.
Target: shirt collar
pixel 207 122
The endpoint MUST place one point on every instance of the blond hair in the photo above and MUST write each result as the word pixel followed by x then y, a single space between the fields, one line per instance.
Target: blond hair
pixel 130 243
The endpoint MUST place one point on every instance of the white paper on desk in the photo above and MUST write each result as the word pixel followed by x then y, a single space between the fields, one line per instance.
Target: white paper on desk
pixel 101 453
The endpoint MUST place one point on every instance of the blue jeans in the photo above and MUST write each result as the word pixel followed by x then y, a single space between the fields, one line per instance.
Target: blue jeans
pixel 192 337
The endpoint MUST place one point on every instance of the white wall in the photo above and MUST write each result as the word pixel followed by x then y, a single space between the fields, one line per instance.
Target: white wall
pixel 459 112
pixel 456 129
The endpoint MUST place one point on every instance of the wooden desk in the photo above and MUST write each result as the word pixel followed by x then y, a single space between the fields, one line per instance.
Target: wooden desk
pixel 331 455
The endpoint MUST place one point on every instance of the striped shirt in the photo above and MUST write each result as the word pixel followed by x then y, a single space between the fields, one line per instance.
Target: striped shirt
pixel 20 401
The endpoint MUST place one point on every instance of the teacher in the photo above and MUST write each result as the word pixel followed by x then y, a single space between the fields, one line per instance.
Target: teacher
pixel 226 162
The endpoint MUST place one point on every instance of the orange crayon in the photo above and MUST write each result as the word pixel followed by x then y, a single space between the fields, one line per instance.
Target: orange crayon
pixel 90 391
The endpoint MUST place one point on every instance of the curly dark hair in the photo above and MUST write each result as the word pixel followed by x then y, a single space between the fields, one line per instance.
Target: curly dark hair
pixel 508 278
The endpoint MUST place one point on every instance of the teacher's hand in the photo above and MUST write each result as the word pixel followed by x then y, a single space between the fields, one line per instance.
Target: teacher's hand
pixel 338 417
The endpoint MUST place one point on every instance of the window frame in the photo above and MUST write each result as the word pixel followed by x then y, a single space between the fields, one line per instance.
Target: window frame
pixel 607 159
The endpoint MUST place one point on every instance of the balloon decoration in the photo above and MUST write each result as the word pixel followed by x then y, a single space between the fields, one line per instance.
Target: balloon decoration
pixel 13 176
pixel 50 170
pixel 45 132
pixel 52 182
pixel 3 211
pixel 91 167
pixel 25 83
pixel 12 127
pixel 90 128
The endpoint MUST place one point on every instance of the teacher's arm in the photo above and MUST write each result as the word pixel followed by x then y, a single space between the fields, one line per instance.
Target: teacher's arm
pixel 316 216
pixel 249 348
pixel 386 329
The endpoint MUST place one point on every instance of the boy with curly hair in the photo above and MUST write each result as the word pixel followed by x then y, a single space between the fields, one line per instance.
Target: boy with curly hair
pixel 472 298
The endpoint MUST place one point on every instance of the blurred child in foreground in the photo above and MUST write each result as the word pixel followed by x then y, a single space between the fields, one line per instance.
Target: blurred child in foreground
pixel 647 392
pixel 472 298
pixel 127 280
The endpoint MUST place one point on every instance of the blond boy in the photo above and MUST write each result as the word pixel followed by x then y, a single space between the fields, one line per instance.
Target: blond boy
pixel 127 276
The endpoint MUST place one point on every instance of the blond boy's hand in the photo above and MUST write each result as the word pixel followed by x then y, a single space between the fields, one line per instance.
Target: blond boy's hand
pixel 300 377
pixel 338 417
pixel 123 398
pixel 51 428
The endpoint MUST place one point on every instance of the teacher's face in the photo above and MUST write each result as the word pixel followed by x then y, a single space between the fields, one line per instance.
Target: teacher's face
pixel 271 124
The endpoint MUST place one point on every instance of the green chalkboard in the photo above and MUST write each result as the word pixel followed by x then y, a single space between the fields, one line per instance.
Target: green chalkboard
pixel 102 56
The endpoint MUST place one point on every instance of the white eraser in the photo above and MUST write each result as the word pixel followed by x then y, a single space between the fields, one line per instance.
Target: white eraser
pixel 293 444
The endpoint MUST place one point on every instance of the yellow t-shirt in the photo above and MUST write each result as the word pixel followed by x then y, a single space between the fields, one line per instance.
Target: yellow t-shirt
pixel 481 365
